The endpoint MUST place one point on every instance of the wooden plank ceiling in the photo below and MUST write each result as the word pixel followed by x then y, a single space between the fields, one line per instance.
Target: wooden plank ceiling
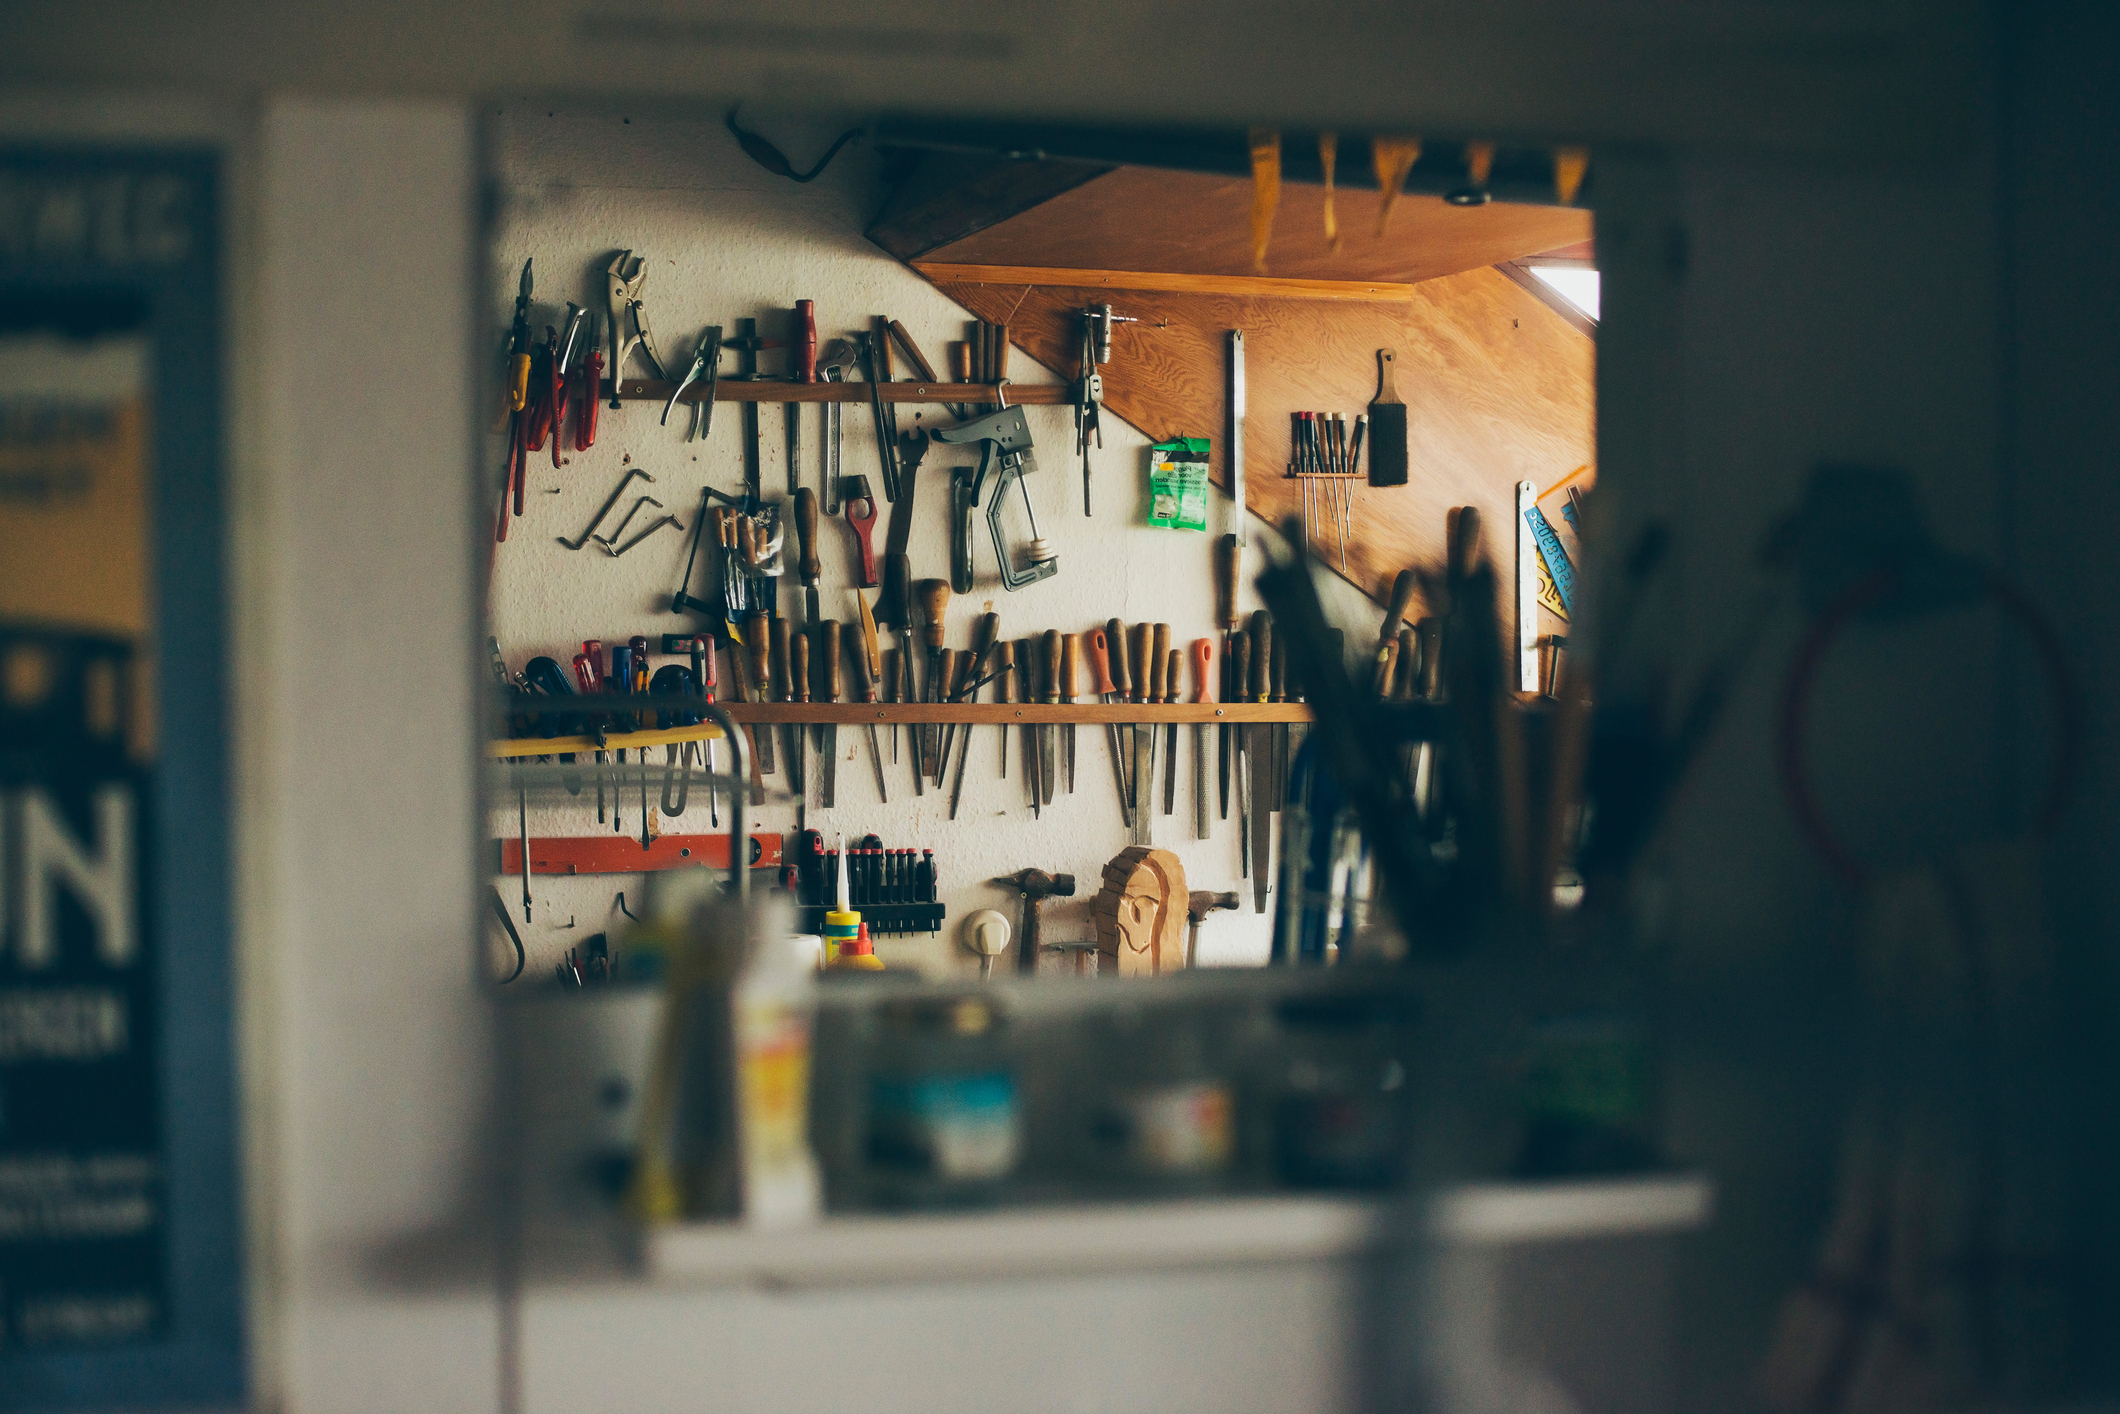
pixel 1134 218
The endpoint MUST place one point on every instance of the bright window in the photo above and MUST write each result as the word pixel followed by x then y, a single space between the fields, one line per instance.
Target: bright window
pixel 1572 283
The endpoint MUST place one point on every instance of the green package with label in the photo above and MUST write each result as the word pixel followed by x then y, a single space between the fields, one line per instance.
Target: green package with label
pixel 1177 484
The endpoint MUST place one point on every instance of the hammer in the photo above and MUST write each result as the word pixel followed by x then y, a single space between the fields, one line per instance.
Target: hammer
pixel 1198 904
pixel 1036 886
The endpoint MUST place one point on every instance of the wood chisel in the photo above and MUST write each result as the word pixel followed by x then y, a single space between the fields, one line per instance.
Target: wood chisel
pixel 1142 779
pixel 1097 645
pixel 1004 689
pixel 798 691
pixel 856 642
pixel 1171 667
pixel 830 683
pixel 1389 454
pixel 1025 650
pixel 806 565
pixel 1070 687
pixel 1203 653
pixel 1237 673
pixel 758 645
pixel 1229 557
pixel 1050 662
pixel 1259 752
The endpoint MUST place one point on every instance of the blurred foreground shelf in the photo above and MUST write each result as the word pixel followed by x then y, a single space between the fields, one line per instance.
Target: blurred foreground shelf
pixel 1212 1232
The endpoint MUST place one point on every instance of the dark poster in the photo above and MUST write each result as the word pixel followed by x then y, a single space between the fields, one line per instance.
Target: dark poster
pixel 119 1261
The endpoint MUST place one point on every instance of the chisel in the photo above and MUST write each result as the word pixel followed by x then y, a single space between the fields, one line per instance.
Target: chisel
pixel 1096 644
pixel 829 684
pixel 758 648
pixel 1026 652
pixel 1170 736
pixel 777 680
pixel 1235 672
pixel 1142 778
pixel 1260 752
pixel 1004 668
pixel 1070 685
pixel 1203 652
pixel 1229 554
pixel 806 564
pixel 799 679
pixel 855 647
pixel 954 661
pixel 1051 660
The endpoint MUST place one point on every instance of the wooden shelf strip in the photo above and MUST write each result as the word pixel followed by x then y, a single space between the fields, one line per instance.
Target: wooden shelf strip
pixel 1241 286
pixel 652 390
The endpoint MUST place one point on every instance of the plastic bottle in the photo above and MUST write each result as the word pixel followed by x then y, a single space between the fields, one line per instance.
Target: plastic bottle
pixel 774 1004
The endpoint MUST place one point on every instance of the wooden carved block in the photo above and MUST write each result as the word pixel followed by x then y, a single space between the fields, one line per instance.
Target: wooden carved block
pixel 1140 914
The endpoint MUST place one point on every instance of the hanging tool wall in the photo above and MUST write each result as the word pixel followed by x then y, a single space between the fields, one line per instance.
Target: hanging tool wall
pixel 720 241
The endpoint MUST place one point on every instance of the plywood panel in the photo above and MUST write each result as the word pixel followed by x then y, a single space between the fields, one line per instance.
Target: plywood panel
pixel 1188 223
pixel 1498 388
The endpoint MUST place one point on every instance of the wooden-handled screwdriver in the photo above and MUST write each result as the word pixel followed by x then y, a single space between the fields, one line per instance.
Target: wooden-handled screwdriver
pixel 1004 689
pixel 1051 659
pixel 1171 670
pixel 1203 652
pixel 806 564
pixel 1122 686
pixel 855 647
pixel 1096 643
pixel 931 601
pixel 1070 686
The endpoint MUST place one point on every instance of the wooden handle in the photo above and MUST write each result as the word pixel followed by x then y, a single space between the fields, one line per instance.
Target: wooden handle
pixel 798 667
pixel 933 598
pixel 1229 557
pixel 985 630
pixel 1387 666
pixel 806 534
pixel 1430 634
pixel 889 683
pixel 1395 612
pixel 1261 656
pixel 805 341
pixel 1173 665
pixel 1277 674
pixel 1203 658
pixel 882 339
pixel 856 652
pixel 1000 352
pixel 1138 639
pixel 830 680
pixel 1098 646
pixel 1465 542
pixel 1406 677
pixel 1005 665
pixel 1051 658
pixel 1026 669
pixel 1240 663
pixel 953 663
pixel 961 361
pixel 777 657
pixel 1161 686
pixel 716 531
pixel 1070 666
pixel 1387 392
pixel 912 351
pixel 1115 657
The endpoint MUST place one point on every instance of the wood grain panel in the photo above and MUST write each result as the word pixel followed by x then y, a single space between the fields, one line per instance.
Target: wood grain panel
pixel 1498 388
pixel 1188 223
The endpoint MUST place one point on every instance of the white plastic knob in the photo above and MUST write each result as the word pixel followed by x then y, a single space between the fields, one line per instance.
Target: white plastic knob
pixel 984 932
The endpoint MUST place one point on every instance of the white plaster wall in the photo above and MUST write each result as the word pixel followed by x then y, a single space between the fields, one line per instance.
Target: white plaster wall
pixel 726 240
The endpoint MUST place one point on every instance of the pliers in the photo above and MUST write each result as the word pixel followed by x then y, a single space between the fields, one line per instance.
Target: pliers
pixel 623 296
pixel 706 359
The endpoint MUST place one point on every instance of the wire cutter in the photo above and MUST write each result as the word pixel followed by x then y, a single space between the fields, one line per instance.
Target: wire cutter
pixel 623 295
pixel 706 360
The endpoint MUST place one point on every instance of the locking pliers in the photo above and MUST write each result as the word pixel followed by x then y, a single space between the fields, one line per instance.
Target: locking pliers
pixel 623 295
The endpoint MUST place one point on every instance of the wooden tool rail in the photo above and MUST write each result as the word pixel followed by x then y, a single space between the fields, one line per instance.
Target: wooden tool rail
pixel 853 713
pixel 766 391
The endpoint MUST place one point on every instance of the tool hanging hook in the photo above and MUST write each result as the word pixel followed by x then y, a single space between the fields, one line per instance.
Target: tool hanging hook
pixel 766 155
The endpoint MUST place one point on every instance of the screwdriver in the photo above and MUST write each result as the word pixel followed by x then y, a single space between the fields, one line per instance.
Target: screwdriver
pixel 1142 778
pixel 1004 689
pixel 1163 687
pixel 856 651
pixel 932 601
pixel 759 650
pixel 829 686
pixel 805 517
pixel 1070 685
pixel 1026 691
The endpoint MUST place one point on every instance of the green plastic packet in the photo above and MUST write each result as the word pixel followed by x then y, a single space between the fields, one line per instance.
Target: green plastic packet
pixel 1177 484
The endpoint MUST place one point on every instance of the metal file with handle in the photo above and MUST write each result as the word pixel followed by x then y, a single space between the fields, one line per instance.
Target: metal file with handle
pixel 1202 654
